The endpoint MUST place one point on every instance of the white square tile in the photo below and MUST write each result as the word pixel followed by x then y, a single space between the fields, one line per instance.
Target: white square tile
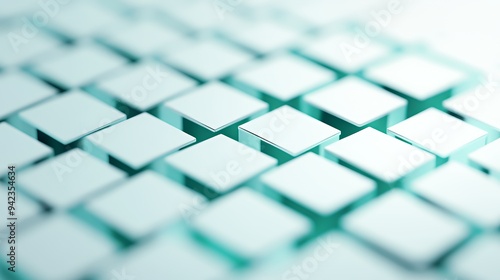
pixel 464 191
pixel 71 116
pixel 341 51
pixel 78 65
pixel 208 59
pixel 262 36
pixel 140 140
pixel 18 50
pixel 284 76
pixel 356 101
pixel 216 105
pixel 250 225
pixel 440 134
pixel 220 163
pixel 161 200
pixel 487 157
pixel 19 149
pixel 181 258
pixel 380 155
pixel 79 19
pixel 407 228
pixel 478 106
pixel 59 247
pixel 415 76
pixel 19 91
pixel 477 259
pixel 68 179
pixel 318 184
pixel 145 85
pixel 140 37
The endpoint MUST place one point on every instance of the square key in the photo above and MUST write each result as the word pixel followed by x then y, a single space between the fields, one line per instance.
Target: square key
pixel 219 163
pixel 172 257
pixel 144 85
pixel 140 38
pixel 338 50
pixel 228 106
pixel 79 65
pixel 160 201
pixel 478 259
pixel 288 130
pixel 407 228
pixel 478 107
pixel 70 116
pixel 18 149
pixel 463 191
pixel 317 184
pixel 283 77
pixel 208 59
pixel 423 81
pixel 354 104
pixel 441 134
pixel 138 141
pixel 381 156
pixel 250 225
pixel 68 179
pixel 487 158
pixel 19 91
pixel 60 247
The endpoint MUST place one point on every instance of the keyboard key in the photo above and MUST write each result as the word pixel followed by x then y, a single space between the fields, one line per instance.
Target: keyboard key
pixel 441 134
pixel 475 195
pixel 26 208
pixel 208 59
pixel 138 141
pixel 478 107
pixel 17 50
pixel 144 86
pixel 83 19
pixel 228 106
pixel 478 259
pixel 69 178
pixel 262 36
pixel 282 77
pixel 424 82
pixel 353 104
pixel 487 158
pixel 290 131
pixel 219 163
pixel 407 228
pixel 250 225
pixel 76 66
pixel 18 149
pixel 339 50
pixel 19 91
pixel 318 185
pixel 140 37
pixel 380 156
pixel 180 257
pixel 160 200
pixel 69 117
pixel 59 247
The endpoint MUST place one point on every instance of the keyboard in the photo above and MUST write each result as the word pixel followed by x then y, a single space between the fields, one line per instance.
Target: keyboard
pixel 254 140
